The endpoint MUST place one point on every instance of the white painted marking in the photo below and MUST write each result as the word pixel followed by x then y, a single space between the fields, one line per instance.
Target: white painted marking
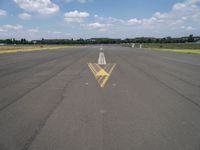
pixel 102 59
pixel 101 48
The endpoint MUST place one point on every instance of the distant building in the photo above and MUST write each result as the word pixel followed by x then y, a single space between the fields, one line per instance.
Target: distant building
pixel 34 42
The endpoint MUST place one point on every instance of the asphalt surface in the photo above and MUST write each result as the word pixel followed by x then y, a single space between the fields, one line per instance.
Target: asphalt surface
pixel 50 100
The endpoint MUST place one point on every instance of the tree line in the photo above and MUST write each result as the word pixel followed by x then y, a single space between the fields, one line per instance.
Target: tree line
pixel 189 38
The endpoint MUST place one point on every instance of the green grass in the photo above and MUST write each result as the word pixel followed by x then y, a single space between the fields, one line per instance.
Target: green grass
pixel 188 48
pixel 186 51
pixel 27 48
pixel 172 45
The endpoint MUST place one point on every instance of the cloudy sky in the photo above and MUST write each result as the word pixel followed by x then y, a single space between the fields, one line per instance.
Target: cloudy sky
pixel 36 19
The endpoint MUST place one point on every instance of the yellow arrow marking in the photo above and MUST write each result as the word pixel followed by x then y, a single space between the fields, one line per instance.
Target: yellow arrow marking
pixel 101 74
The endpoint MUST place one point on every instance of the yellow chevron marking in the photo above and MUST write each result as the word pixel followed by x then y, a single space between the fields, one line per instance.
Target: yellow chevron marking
pixel 101 74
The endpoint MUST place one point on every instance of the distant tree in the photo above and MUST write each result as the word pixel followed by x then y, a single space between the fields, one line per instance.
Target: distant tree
pixel 169 39
pixel 191 38
pixel 23 41
pixel 14 41
pixel 8 41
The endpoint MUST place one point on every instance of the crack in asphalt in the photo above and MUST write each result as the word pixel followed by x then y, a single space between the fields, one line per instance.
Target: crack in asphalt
pixel 43 123
pixel 49 78
pixel 163 83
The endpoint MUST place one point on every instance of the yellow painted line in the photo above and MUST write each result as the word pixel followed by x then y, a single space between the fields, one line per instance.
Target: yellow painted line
pixel 106 69
pixel 101 74
pixel 106 79
pixel 97 67
pixel 110 72
pixel 112 69
pixel 92 69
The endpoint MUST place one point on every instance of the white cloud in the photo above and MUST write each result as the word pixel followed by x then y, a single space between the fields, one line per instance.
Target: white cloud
pixel 185 5
pixel 134 21
pixel 54 32
pixel 99 26
pixel 75 16
pixel 80 1
pixel 161 15
pixel 2 30
pixel 24 16
pixel 179 6
pixel 67 34
pixel 57 32
pixel 9 30
pixel 12 27
pixel 73 20
pixel 3 12
pixel 185 14
pixel 108 19
pixel 40 6
pixel 96 16
pixel 83 1
pixel 34 30
pixel 184 18
pixel 188 28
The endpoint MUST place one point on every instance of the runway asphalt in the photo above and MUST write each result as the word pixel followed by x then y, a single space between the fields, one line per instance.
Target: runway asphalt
pixel 51 100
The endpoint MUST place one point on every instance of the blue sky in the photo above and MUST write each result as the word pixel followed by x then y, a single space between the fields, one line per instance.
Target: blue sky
pixel 36 19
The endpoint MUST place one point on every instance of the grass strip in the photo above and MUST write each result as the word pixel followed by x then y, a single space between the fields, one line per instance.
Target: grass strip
pixel 185 51
pixel 29 49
